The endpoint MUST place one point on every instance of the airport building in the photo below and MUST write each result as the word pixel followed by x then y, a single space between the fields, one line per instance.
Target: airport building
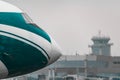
pixel 99 64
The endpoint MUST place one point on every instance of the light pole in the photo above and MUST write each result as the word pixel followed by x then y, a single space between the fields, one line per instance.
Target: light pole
pixel 86 65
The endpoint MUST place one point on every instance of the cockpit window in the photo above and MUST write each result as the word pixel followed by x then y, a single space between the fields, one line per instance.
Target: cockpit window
pixel 27 18
pixel 34 28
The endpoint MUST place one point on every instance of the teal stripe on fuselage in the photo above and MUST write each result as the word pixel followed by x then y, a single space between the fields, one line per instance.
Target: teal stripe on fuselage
pixel 28 41
pixel 19 57
pixel 17 20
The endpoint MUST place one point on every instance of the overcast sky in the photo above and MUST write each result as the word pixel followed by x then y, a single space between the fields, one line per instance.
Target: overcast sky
pixel 72 23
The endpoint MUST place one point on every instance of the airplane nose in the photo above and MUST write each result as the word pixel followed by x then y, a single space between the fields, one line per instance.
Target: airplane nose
pixel 55 52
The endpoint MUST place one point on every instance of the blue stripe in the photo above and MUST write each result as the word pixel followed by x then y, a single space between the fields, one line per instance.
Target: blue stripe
pixel 26 40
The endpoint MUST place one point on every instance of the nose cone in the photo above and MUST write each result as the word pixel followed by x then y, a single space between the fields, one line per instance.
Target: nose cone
pixel 55 53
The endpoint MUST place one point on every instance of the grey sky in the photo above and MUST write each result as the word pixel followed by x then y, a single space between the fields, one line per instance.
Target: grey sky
pixel 72 23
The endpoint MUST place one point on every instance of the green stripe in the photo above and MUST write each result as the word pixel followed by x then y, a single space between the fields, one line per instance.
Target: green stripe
pixel 19 57
pixel 17 20
pixel 28 41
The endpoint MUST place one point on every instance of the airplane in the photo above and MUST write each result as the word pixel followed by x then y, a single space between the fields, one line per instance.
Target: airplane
pixel 24 46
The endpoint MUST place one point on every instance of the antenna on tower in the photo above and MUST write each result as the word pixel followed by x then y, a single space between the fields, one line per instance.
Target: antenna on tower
pixel 99 33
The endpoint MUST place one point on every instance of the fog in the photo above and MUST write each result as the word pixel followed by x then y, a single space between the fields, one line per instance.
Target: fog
pixel 72 23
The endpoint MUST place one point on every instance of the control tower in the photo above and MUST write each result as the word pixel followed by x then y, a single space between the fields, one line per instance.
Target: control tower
pixel 101 45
